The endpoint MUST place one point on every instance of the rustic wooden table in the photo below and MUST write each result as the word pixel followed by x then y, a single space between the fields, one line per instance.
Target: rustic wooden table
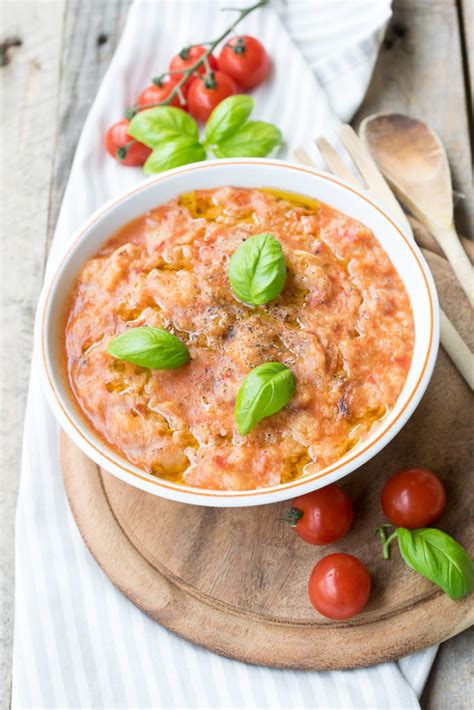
pixel 53 56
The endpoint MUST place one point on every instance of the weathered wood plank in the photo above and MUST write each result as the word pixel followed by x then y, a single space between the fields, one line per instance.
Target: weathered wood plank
pixel 92 30
pixel 29 81
pixel 466 11
pixel 420 72
pixel 47 89
pixel 451 684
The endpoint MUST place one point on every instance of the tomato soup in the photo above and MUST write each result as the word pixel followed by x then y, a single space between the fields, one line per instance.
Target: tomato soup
pixel 343 324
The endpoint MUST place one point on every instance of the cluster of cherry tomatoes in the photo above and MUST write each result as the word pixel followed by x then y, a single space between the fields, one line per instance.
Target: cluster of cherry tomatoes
pixel 339 585
pixel 242 64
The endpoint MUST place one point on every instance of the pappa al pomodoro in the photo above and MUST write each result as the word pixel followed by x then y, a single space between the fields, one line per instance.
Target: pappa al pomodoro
pixel 342 323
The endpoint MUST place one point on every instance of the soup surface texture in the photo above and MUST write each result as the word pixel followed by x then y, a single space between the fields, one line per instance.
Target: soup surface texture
pixel 342 323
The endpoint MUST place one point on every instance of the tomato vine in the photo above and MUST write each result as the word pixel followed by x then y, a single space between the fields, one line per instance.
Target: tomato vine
pixel 203 59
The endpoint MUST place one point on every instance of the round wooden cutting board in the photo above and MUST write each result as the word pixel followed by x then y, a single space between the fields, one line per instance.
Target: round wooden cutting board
pixel 235 580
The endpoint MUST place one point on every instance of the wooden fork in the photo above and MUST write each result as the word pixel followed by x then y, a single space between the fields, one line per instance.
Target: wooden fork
pixel 376 186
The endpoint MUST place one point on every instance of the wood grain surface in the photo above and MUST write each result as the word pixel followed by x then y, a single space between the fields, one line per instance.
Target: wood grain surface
pixel 235 580
pixel 65 49
pixel 28 104
pixel 420 72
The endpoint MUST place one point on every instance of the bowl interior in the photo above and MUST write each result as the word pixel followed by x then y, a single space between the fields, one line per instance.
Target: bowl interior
pixel 404 254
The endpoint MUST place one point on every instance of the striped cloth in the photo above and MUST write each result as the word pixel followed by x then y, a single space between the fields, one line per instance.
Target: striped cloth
pixel 78 642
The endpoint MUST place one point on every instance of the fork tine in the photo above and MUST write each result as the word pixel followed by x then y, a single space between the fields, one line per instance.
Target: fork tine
pixel 376 183
pixel 301 156
pixel 335 164
pixel 356 150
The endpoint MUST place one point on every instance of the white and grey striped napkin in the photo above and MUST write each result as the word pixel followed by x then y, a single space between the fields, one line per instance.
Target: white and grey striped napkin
pixel 78 642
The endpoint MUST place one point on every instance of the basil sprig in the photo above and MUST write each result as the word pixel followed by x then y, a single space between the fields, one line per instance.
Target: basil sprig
pixel 439 558
pixel 266 389
pixel 257 269
pixel 435 555
pixel 173 135
pixel 149 347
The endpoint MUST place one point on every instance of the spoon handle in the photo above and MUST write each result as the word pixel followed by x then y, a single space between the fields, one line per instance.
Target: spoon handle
pixel 457 257
pixel 425 239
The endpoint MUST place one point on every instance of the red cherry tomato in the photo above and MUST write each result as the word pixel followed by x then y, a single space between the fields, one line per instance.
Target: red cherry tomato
pixel 322 516
pixel 186 58
pixel 206 92
pixel 123 147
pixel 154 94
pixel 413 498
pixel 339 586
pixel 245 60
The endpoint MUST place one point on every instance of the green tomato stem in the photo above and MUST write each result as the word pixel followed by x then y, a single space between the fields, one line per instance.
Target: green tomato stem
pixel 384 540
pixel 208 67
pixel 204 57
pixel 386 545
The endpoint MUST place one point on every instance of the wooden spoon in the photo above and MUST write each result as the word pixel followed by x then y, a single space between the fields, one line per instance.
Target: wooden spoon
pixel 413 159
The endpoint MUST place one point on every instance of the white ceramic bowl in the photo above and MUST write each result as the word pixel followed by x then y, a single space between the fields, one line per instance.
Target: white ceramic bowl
pixel 405 256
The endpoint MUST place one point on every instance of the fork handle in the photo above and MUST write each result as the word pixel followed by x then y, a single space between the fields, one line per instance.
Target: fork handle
pixel 456 348
pixel 457 257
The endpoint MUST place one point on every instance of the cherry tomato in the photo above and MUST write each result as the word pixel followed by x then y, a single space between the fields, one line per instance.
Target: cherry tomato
pixel 413 498
pixel 339 586
pixel 322 516
pixel 245 60
pixel 154 94
pixel 206 92
pixel 186 58
pixel 118 143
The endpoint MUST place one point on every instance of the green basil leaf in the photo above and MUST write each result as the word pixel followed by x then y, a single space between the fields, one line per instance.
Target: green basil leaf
pixel 173 153
pixel 155 125
pixel 254 139
pixel 257 269
pixel 265 390
pixel 149 347
pixel 439 558
pixel 227 117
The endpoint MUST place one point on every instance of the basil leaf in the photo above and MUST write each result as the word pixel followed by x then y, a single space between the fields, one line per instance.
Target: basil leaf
pixel 173 153
pixel 149 347
pixel 257 270
pixel 155 125
pixel 439 558
pixel 227 117
pixel 265 390
pixel 254 139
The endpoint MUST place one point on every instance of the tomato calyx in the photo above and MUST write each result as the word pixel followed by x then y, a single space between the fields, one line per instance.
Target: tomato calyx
pixel 210 80
pixel 185 52
pixel 131 112
pixel 238 47
pixel 122 150
pixel 292 516
pixel 384 540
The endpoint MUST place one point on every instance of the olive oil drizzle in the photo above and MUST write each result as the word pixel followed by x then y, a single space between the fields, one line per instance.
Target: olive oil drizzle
pixel 202 205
